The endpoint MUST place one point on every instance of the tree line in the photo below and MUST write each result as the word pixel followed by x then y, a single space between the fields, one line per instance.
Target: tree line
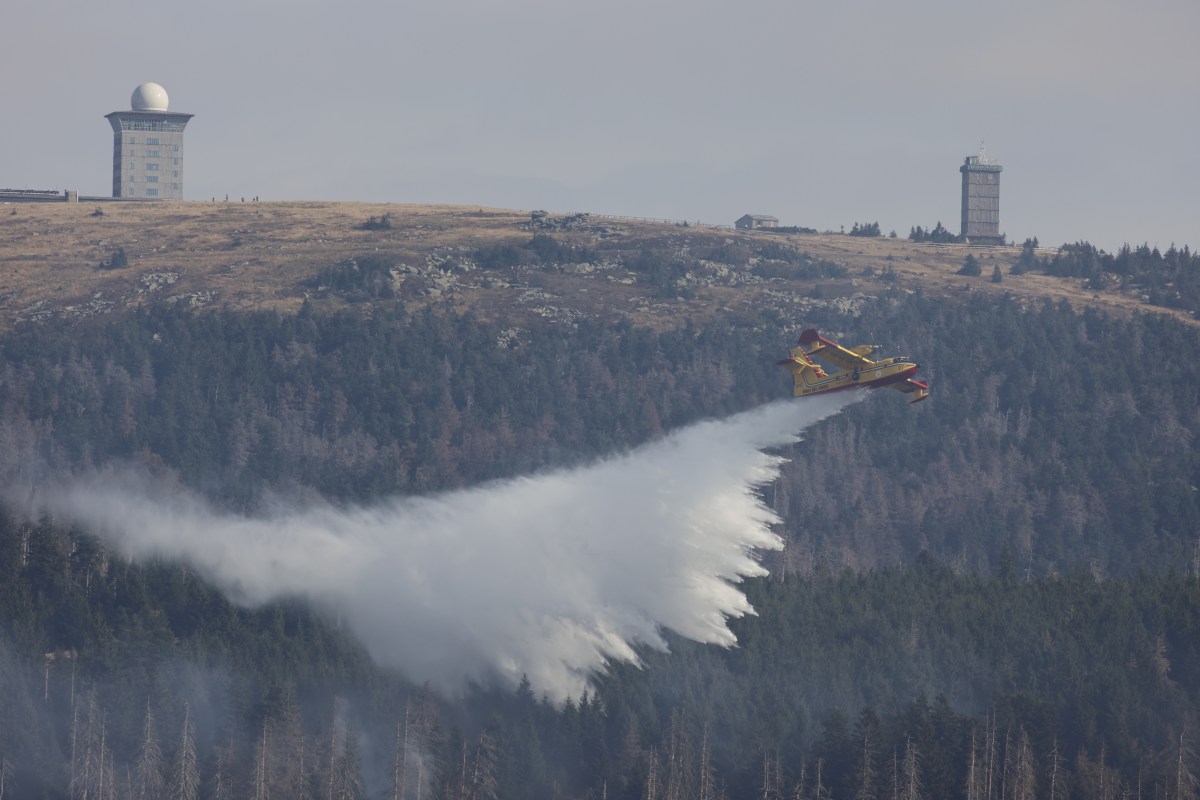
pixel 1013 560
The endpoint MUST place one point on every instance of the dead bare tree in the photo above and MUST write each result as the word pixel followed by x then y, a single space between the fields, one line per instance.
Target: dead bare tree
pixel 1024 784
pixel 1185 786
pixel 990 783
pixel 820 790
pixel 1058 784
pixel 427 741
pixel 771 788
pixel 222 784
pixel 1097 779
pixel 284 769
pixel 679 748
pixel 75 742
pixel 1007 762
pixel 485 781
pixel 800 789
pixel 108 786
pixel 89 756
pixel 6 771
pixel 707 777
pixel 910 771
pixel 974 773
pixel 652 777
pixel 344 779
pixel 185 783
pixel 299 789
pixel 261 791
pixel 148 779
pixel 461 794
pixel 1108 779
pixel 400 757
pixel 866 772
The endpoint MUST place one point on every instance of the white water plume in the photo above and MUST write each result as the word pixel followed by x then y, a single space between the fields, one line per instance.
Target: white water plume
pixel 550 576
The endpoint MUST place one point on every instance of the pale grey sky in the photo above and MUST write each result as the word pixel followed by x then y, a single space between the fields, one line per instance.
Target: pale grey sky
pixel 821 114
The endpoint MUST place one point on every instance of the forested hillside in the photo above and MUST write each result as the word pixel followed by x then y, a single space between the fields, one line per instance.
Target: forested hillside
pixel 992 594
pixel 1057 441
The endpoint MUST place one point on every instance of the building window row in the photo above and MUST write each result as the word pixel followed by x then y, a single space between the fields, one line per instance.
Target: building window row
pixel 150 154
pixel 143 125
pixel 152 125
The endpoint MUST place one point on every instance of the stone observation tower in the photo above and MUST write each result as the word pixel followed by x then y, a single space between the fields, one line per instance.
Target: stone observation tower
pixel 148 146
pixel 981 200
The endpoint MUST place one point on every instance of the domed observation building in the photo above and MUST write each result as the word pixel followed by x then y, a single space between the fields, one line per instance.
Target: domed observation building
pixel 148 146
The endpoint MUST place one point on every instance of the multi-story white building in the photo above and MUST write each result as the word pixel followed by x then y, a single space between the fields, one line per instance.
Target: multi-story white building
pixel 148 146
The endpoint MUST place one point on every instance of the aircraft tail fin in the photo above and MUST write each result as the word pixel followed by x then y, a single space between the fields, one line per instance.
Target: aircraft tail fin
pixel 803 369
pixel 810 340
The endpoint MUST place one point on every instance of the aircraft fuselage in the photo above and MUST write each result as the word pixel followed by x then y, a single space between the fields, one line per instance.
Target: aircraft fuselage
pixel 882 373
pixel 856 369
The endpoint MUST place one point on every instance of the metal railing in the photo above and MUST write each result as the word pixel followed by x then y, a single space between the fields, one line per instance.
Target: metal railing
pixel 678 222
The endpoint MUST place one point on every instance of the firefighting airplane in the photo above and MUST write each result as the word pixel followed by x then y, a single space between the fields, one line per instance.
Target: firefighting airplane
pixel 856 369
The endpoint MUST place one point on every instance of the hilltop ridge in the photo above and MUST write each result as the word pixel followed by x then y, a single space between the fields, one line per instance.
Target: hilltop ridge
pixel 245 256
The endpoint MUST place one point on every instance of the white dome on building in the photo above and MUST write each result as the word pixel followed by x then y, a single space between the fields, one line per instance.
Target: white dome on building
pixel 149 97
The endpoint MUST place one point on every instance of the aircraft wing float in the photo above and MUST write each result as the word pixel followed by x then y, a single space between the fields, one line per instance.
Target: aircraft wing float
pixel 854 368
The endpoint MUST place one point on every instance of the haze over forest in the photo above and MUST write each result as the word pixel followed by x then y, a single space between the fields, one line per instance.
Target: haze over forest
pixel 376 501
pixel 340 496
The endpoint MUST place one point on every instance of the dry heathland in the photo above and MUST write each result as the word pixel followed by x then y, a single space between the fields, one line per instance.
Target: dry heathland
pixel 82 260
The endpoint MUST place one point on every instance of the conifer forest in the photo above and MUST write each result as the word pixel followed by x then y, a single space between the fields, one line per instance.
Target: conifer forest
pixel 991 595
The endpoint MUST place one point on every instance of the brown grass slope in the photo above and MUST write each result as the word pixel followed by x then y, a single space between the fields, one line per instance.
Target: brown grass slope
pixel 244 256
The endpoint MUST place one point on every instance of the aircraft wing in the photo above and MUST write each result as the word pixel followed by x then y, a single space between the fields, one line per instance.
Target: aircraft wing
pixel 816 344
pixel 909 385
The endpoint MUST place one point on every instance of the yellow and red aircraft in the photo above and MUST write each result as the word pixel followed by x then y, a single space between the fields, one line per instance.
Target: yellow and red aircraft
pixel 856 369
